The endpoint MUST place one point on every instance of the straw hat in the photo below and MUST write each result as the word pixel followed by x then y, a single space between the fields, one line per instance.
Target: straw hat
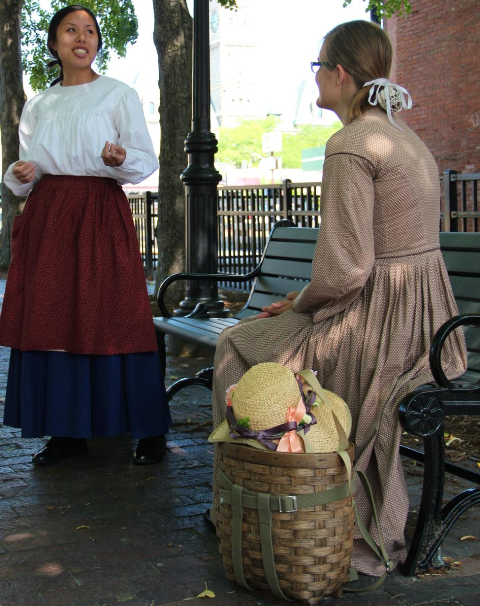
pixel 267 397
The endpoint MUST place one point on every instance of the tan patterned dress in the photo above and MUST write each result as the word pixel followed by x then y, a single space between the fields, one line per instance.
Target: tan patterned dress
pixel 378 293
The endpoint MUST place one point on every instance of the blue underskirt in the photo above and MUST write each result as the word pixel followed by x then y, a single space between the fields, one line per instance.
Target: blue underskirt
pixel 52 393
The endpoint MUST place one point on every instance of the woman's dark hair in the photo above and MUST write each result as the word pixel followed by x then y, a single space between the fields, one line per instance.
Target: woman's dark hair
pixel 364 51
pixel 57 18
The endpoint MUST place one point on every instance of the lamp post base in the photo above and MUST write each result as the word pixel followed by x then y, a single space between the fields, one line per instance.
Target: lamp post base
pixel 201 308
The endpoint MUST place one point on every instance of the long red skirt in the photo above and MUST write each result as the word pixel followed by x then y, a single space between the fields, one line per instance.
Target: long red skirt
pixel 76 280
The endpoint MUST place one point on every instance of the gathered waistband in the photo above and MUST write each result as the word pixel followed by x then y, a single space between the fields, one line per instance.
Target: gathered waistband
pixel 415 254
pixel 78 178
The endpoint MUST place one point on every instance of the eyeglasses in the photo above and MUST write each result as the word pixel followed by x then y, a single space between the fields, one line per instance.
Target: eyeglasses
pixel 316 65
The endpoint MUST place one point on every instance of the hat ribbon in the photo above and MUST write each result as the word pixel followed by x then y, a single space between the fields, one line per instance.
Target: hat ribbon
pixel 264 436
pixel 290 441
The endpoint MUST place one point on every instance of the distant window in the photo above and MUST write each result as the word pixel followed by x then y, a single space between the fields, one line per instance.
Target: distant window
pixel 152 107
pixel 320 112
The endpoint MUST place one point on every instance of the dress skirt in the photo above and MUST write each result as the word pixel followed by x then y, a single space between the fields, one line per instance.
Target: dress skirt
pixel 77 316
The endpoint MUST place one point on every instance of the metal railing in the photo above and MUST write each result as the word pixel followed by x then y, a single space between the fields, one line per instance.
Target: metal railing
pixel 460 198
pixel 145 216
pixel 246 215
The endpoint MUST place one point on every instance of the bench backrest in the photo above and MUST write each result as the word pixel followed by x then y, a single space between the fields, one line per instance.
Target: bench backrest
pixel 461 253
pixel 287 266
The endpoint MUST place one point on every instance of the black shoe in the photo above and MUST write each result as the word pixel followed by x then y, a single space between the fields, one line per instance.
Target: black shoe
pixel 57 449
pixel 208 521
pixel 150 450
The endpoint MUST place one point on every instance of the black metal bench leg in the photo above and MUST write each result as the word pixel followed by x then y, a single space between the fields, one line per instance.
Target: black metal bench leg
pixel 203 377
pixel 430 529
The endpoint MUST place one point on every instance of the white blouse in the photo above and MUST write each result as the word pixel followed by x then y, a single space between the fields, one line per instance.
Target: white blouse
pixel 63 132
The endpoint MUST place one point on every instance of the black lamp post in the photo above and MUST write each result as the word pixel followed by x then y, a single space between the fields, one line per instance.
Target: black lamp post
pixel 201 178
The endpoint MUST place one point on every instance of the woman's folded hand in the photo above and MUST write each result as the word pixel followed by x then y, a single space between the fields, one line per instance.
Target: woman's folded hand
pixel 277 308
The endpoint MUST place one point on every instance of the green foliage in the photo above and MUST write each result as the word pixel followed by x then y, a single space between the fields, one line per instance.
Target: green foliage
pixel 307 136
pixel 231 4
pixel 386 8
pixel 116 18
pixel 244 142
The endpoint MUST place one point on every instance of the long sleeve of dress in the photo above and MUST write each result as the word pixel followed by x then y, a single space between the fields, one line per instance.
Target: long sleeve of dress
pixel 344 255
pixel 141 160
pixel 25 133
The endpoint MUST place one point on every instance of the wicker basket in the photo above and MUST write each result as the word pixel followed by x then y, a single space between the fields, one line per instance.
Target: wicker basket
pixel 312 546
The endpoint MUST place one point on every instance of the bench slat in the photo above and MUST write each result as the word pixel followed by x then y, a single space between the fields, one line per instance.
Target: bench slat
pixel 296 234
pixel 258 300
pixel 460 241
pixel 474 363
pixel 290 269
pixel 278 286
pixel 289 250
pixel 472 337
pixel 461 261
pixel 468 307
pixel 468 288
pixel 203 331
pixel 246 313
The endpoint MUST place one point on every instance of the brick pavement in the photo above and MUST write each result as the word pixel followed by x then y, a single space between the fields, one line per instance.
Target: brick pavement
pixel 98 531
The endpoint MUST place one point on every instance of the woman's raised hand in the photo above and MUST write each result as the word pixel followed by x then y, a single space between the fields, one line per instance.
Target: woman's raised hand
pixel 113 155
pixel 24 171
pixel 277 308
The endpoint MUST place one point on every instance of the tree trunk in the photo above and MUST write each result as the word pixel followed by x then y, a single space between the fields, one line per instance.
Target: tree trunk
pixel 12 100
pixel 173 40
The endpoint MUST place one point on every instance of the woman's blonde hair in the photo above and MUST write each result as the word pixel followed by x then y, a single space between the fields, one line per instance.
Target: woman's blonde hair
pixel 364 51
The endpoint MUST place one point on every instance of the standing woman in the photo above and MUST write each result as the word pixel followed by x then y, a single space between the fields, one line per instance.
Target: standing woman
pixel 379 288
pixel 76 313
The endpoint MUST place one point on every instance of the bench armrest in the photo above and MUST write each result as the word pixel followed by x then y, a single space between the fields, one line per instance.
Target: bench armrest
pixel 186 276
pixel 439 340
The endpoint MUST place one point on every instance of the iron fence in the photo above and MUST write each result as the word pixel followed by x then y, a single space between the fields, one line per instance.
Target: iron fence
pixel 460 207
pixel 246 215
pixel 144 209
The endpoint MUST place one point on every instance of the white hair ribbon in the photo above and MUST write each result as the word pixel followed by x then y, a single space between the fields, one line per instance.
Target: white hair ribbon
pixel 392 97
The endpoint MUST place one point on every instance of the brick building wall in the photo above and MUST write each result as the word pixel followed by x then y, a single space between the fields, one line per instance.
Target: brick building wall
pixel 437 59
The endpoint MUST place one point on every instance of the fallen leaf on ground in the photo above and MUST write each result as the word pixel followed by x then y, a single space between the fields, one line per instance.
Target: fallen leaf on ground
pixel 206 594
pixel 468 537
pixel 199 557
pixel 83 527
pixel 50 507
pixel 452 439
pixel 398 595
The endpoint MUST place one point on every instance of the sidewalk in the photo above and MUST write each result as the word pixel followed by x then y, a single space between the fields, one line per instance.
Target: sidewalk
pixel 98 531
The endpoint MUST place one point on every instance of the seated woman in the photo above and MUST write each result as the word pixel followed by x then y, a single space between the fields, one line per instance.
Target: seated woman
pixel 379 287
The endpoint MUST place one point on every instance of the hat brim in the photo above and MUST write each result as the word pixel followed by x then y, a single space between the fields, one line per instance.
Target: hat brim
pixel 222 434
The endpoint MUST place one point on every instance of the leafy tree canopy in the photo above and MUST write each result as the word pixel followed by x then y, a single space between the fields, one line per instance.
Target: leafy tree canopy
pixel 116 18
pixel 386 8
pixel 244 142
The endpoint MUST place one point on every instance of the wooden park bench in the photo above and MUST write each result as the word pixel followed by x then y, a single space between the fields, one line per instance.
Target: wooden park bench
pixel 286 266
